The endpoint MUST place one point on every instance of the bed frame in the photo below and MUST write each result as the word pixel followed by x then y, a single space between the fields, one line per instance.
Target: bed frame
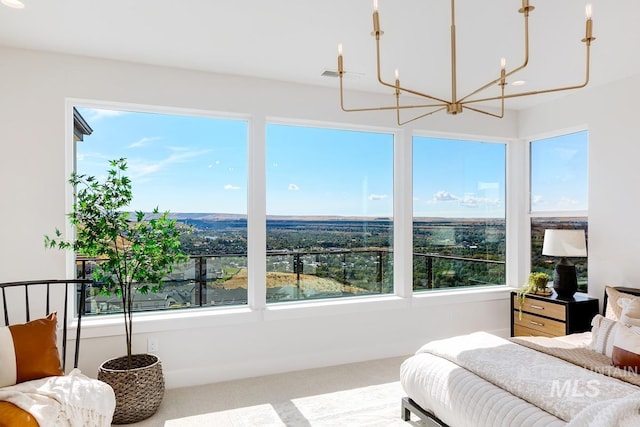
pixel 408 406
pixel 38 296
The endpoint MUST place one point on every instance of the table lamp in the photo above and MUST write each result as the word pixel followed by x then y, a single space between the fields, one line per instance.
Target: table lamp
pixel 564 244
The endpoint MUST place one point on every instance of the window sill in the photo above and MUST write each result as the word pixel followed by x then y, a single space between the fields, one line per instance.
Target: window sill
pixel 112 325
pixel 330 307
pixel 446 296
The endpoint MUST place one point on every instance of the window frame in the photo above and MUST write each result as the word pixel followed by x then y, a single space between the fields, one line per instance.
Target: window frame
pixel 256 309
pixel 510 253
pixel 532 214
pixel 346 128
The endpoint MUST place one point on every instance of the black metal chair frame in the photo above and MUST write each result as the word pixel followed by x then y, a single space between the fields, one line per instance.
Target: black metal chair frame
pixel 52 286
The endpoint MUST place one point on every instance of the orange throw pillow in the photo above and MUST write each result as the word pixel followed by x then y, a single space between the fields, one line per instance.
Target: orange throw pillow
pixel 12 416
pixel 626 349
pixel 29 351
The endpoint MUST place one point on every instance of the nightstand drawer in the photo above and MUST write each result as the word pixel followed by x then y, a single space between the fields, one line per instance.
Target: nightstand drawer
pixel 521 331
pixel 541 324
pixel 542 308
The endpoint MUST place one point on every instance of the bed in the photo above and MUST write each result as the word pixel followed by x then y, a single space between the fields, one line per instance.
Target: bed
pixel 479 379
pixel 36 387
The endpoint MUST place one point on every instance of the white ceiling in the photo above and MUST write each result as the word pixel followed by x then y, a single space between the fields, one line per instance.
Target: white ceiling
pixel 296 40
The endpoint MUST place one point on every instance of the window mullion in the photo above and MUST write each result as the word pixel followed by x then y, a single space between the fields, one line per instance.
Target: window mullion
pixel 256 215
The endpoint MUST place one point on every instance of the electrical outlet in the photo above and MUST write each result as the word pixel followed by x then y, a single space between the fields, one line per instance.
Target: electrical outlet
pixel 152 345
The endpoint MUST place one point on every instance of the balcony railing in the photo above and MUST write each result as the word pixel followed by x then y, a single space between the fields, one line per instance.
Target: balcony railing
pixel 432 271
pixel 221 279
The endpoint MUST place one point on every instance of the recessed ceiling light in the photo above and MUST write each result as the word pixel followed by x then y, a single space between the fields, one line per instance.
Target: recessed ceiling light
pixel 518 83
pixel 15 4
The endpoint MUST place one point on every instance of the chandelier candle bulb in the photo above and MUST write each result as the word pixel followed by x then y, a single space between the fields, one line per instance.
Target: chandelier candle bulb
pixel 340 69
pixel 376 24
pixel 588 37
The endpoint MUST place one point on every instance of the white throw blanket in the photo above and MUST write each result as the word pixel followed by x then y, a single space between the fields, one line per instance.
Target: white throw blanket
pixel 558 387
pixel 73 400
pixel 621 412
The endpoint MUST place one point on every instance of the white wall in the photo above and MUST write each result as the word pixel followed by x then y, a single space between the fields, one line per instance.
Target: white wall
pixel 198 349
pixel 611 115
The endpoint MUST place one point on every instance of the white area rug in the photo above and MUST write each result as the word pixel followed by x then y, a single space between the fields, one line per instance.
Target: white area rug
pixel 359 394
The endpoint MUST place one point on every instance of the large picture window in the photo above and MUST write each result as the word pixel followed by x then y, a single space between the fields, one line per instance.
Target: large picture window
pixel 458 213
pixel 329 213
pixel 196 168
pixel 559 196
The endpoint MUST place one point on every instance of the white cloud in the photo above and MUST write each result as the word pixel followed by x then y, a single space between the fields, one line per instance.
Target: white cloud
pixel 293 187
pixel 142 142
pixel 471 201
pixel 139 169
pixel 231 187
pixel 537 199
pixel 377 196
pixel 444 196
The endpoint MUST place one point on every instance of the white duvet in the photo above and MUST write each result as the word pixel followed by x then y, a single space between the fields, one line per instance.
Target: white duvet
pixel 73 400
pixel 483 380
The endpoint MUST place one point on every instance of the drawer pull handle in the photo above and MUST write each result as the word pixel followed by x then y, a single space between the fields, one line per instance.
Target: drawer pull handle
pixel 536 323
pixel 536 307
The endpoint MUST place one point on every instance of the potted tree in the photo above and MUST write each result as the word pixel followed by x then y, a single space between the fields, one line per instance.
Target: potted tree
pixel 134 256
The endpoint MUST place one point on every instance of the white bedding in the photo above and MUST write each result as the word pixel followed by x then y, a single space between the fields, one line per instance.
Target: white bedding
pixel 439 378
pixel 461 398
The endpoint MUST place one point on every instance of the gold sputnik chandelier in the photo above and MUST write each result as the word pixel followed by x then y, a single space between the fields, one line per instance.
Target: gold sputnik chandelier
pixel 457 105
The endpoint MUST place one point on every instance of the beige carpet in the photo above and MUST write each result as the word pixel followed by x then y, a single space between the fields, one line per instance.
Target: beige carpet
pixel 359 394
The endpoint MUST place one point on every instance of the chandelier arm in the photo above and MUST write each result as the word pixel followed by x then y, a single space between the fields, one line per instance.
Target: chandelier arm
pixel 501 115
pixel 384 108
pixel 454 68
pixel 538 92
pixel 525 62
pixel 420 116
pixel 456 105
pixel 403 89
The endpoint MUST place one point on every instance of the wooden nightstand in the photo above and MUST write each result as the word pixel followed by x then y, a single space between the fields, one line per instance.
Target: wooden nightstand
pixel 552 316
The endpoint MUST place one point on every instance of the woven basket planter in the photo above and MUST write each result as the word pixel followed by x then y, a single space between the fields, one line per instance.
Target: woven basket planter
pixel 139 390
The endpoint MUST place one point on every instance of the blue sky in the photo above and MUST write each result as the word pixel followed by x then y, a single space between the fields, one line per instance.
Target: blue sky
pixel 199 164
pixel 559 179
pixel 460 179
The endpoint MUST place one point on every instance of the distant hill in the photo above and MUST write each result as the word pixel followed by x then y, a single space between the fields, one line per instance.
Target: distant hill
pixel 231 217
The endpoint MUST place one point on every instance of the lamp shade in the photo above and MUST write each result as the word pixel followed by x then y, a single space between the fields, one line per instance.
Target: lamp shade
pixel 564 243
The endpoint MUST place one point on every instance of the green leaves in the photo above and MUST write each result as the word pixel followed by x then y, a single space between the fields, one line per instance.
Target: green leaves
pixel 135 254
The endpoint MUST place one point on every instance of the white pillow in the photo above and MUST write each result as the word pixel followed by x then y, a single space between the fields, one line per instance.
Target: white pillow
pixel 630 314
pixel 603 334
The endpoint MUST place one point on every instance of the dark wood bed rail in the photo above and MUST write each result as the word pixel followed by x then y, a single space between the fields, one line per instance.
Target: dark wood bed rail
pixel 51 287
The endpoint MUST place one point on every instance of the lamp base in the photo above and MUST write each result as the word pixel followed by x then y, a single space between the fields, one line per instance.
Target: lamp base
pixel 565 282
